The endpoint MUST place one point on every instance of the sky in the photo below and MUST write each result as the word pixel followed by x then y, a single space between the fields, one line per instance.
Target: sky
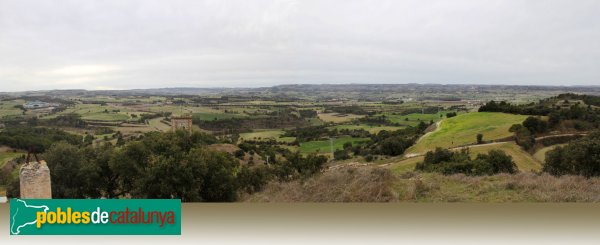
pixel 251 43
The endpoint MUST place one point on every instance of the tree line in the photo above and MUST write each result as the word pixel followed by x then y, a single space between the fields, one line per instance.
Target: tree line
pixel 163 165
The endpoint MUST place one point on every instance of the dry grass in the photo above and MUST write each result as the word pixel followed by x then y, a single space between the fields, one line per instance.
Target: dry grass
pixel 346 185
pixel 522 187
pixel 229 148
pixel 373 184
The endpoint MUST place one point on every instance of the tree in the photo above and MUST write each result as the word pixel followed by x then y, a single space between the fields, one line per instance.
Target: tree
pixel 524 138
pixel 341 154
pixel 535 125
pixel 449 162
pixel 71 172
pixel 479 138
pixel 450 114
pixel 580 157
pixel 498 161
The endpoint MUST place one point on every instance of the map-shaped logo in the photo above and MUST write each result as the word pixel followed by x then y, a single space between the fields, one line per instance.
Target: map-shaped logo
pixel 23 215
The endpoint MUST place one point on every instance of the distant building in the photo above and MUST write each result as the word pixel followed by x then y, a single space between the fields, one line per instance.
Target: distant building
pixel 182 122
pixel 36 105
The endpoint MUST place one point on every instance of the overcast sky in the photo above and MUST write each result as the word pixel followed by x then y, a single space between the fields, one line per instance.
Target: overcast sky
pixel 223 43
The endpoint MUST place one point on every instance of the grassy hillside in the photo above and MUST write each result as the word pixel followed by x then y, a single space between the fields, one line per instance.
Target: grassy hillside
pixel 463 129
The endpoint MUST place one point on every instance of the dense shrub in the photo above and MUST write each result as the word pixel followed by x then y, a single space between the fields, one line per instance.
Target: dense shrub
pixel 580 157
pixel 448 162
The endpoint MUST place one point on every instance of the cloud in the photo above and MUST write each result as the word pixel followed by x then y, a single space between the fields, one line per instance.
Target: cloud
pixel 140 44
pixel 83 70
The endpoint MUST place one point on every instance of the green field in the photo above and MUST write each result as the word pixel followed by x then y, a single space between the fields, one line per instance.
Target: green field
pixel 97 112
pixel 415 118
pixel 370 128
pixel 463 130
pixel 323 146
pixel 7 108
pixel 266 135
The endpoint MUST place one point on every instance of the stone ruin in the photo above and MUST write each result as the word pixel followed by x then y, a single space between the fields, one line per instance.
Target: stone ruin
pixel 183 122
pixel 34 179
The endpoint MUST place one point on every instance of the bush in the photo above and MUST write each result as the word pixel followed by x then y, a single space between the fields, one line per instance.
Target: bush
pixel 580 157
pixel 448 162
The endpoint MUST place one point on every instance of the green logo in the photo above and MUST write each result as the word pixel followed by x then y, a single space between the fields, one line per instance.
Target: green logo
pixel 95 217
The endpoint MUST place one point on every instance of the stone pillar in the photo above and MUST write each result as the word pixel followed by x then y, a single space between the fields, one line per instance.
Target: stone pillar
pixel 35 180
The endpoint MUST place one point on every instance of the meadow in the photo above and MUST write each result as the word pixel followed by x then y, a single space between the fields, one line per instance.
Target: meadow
pixel 414 118
pixel 8 109
pixel 323 146
pixel 463 129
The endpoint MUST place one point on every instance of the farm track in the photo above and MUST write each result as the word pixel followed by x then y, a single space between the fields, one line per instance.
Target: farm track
pixel 413 155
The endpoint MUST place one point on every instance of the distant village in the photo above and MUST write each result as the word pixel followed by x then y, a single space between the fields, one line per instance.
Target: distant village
pixel 38 105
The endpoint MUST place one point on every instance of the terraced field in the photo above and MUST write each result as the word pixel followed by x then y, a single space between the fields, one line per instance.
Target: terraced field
pixel 463 130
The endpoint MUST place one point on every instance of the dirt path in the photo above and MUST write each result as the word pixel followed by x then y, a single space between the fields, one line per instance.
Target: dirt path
pixel 437 127
pixel 413 155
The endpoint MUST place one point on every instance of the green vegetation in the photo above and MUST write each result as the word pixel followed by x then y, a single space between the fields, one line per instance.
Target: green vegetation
pixel 7 156
pixel 10 108
pixel 463 129
pixel 36 139
pixel 413 119
pixel 452 162
pixel 370 128
pixel 264 135
pixel 323 146
pixel 337 117
pixel 524 161
pixel 118 145
pixel 540 155
pixel 579 157
pixel 210 116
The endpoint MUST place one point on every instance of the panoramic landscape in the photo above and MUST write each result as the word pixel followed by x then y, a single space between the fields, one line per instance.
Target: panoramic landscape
pixel 300 101
pixel 309 143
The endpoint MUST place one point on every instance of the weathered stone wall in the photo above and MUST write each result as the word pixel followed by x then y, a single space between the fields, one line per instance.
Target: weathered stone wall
pixel 35 180
pixel 184 123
